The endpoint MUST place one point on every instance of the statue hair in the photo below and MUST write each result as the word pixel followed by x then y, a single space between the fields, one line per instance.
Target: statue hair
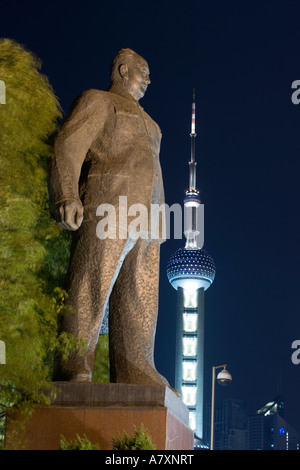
pixel 124 56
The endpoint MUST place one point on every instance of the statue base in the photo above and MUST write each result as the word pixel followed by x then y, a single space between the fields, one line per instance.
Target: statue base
pixel 100 411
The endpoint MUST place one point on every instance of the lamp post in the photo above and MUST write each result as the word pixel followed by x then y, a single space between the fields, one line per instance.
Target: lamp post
pixel 224 378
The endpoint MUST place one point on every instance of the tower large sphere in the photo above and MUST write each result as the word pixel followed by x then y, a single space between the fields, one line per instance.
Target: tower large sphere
pixel 191 269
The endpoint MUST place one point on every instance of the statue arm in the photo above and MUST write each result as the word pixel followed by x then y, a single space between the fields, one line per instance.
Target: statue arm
pixel 70 149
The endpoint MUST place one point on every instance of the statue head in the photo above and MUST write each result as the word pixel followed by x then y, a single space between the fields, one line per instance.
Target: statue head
pixel 130 72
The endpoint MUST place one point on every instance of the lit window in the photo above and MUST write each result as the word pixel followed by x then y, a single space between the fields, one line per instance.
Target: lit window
pixel 190 322
pixel 190 295
pixel 189 371
pixel 192 420
pixel 189 346
pixel 189 395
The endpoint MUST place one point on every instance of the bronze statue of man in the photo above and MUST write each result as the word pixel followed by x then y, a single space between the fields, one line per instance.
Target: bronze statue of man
pixel 108 147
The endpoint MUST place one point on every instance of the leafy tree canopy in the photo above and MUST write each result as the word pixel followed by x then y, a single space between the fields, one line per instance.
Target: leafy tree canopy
pixel 33 249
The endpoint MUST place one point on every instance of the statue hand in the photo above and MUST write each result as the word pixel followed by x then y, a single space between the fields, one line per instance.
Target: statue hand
pixel 70 215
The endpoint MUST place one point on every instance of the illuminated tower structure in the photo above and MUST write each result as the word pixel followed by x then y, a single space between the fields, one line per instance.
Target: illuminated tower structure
pixel 191 270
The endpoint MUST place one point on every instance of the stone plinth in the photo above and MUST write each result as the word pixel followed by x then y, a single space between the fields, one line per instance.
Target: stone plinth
pixel 101 411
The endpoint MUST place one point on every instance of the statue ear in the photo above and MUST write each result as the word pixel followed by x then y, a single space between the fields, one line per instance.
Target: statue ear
pixel 123 70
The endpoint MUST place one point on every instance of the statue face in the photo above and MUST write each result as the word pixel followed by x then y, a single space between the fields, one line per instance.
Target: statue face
pixel 138 78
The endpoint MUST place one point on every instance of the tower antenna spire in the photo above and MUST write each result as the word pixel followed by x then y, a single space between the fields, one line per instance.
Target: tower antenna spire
pixel 192 200
pixel 193 126
pixel 192 163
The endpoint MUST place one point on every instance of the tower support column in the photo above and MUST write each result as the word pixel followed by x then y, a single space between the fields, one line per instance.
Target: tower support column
pixel 200 363
pixel 179 344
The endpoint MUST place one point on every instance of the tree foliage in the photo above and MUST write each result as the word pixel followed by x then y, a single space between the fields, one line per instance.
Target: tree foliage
pixel 141 440
pixel 101 372
pixel 33 249
pixel 80 443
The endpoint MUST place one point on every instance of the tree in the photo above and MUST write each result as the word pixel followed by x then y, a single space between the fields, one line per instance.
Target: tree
pixel 80 443
pixel 141 440
pixel 33 249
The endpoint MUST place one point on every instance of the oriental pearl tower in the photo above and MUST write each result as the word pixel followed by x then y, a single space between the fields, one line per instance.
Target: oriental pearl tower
pixel 191 271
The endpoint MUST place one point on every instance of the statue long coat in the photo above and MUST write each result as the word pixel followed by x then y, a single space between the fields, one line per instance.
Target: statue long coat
pixel 109 146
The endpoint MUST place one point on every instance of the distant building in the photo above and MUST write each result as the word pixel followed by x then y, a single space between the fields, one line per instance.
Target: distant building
pixel 269 431
pixel 231 425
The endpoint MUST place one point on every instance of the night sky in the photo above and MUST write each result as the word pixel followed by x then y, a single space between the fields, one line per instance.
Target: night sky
pixel 242 58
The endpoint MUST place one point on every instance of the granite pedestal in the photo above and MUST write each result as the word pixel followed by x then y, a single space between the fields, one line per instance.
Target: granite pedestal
pixel 100 411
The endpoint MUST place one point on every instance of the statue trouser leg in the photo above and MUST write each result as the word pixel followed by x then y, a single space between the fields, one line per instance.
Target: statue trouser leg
pixel 93 267
pixel 133 316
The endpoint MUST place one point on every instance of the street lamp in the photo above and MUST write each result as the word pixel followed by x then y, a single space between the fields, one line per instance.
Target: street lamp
pixel 224 378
